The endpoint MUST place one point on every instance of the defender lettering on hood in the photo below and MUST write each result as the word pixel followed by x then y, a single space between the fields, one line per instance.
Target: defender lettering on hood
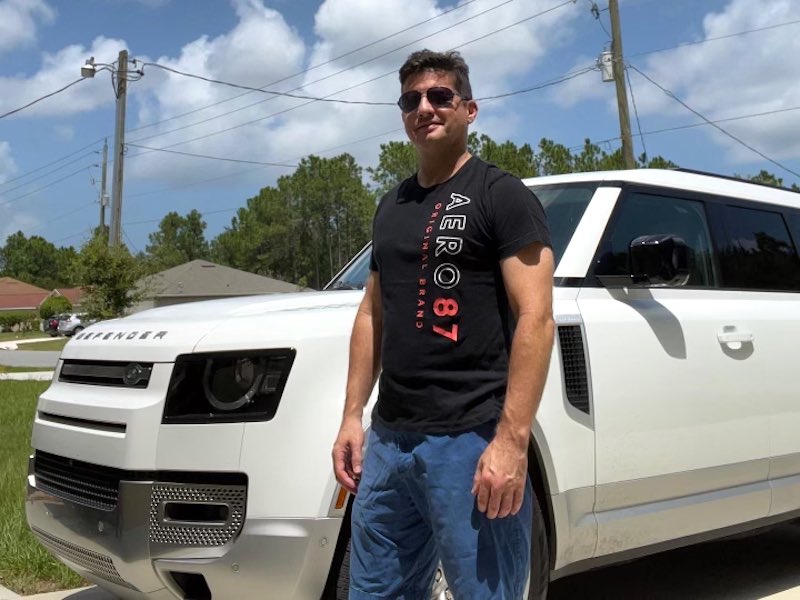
pixel 122 335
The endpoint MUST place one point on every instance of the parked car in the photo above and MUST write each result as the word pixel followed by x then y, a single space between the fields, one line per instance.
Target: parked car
pixel 184 451
pixel 73 323
pixel 50 325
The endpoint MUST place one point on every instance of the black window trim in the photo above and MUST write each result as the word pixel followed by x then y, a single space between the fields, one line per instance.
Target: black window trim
pixel 708 201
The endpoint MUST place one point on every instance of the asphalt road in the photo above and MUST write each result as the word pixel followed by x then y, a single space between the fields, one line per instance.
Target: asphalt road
pixel 761 566
pixel 29 358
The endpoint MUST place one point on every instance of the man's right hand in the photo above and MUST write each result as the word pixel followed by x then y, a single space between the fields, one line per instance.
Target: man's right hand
pixel 347 454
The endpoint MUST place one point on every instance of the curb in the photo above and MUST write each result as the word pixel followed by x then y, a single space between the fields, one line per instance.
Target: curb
pixel 28 376
pixel 84 593
pixel 7 594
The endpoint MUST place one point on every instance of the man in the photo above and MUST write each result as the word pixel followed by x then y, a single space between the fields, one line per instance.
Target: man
pixel 461 256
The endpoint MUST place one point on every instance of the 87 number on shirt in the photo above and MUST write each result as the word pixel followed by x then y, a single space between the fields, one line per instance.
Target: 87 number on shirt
pixel 446 307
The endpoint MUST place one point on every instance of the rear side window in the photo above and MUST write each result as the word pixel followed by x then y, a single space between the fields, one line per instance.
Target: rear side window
pixel 756 251
pixel 648 214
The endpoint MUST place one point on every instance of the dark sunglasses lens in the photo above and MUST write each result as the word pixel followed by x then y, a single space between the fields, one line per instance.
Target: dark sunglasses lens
pixel 409 100
pixel 440 96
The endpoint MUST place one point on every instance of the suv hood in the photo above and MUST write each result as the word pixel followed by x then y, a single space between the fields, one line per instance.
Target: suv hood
pixel 160 334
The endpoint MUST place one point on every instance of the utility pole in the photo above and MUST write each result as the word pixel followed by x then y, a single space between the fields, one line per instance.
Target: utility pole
pixel 619 81
pixel 103 196
pixel 119 149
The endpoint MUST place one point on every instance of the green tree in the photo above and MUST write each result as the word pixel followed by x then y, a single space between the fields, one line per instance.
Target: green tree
pixel 54 305
pixel 397 161
pixel 177 240
pixel 305 228
pixel 32 260
pixel 518 160
pixel 108 276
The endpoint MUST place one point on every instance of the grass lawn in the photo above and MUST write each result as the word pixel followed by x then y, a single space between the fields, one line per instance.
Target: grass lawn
pixel 10 336
pixel 25 566
pixel 54 344
pixel 6 369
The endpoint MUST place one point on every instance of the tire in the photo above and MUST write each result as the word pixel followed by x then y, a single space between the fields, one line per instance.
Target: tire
pixel 77 330
pixel 540 555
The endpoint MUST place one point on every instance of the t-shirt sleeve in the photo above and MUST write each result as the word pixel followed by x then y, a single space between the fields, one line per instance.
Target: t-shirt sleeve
pixel 373 264
pixel 516 215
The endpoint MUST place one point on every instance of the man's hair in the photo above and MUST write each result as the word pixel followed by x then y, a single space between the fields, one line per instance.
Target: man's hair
pixel 446 62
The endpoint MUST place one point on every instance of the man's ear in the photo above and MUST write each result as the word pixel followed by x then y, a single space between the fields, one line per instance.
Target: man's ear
pixel 472 111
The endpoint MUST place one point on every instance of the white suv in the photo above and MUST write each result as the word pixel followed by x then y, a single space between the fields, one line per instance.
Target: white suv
pixel 184 452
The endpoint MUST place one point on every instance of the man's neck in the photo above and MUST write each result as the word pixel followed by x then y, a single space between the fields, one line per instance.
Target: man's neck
pixel 438 169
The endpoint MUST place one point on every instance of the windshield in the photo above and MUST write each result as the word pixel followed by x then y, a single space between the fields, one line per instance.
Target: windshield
pixel 564 205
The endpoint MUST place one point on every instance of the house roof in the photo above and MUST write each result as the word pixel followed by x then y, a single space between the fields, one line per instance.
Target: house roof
pixel 74 295
pixel 200 278
pixel 18 295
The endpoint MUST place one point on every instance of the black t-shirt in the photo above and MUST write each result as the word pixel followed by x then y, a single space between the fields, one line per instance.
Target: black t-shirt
pixel 446 321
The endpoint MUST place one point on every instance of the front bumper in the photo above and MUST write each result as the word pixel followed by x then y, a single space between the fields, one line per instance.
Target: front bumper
pixel 141 543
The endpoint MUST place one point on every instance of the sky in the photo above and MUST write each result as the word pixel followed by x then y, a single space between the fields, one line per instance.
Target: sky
pixel 733 62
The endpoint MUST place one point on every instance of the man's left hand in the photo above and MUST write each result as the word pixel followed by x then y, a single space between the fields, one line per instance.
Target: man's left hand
pixel 499 482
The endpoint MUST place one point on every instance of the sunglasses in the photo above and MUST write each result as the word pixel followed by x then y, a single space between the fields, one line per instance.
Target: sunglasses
pixel 439 97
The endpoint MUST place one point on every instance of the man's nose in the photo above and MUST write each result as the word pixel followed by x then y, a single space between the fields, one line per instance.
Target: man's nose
pixel 425 107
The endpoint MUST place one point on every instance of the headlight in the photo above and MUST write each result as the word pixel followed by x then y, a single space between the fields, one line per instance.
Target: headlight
pixel 227 387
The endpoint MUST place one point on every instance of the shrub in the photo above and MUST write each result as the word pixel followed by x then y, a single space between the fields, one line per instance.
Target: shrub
pixel 19 321
pixel 54 305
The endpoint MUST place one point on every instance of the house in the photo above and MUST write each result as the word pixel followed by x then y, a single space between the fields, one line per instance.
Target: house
pixel 204 280
pixel 74 295
pixel 18 295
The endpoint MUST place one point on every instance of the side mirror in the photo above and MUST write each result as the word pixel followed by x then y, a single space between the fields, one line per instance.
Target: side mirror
pixel 660 259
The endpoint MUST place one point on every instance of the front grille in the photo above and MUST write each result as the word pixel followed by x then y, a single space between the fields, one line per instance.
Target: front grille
pixel 106 372
pixel 573 361
pixel 84 483
pixel 164 531
pixel 94 562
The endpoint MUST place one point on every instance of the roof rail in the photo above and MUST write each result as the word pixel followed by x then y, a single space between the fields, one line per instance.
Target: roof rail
pixel 733 178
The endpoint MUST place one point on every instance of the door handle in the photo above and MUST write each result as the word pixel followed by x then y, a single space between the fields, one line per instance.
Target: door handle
pixel 734 338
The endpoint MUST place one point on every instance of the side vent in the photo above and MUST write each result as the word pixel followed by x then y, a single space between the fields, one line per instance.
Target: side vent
pixel 573 360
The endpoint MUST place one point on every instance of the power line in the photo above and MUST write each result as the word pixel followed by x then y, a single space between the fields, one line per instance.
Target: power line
pixel 595 10
pixel 313 67
pixel 273 92
pixel 250 122
pixel 43 175
pixel 635 111
pixel 44 187
pixel 701 124
pixel 52 162
pixel 561 79
pixel 716 126
pixel 330 75
pixel 243 171
pixel 715 39
pixel 235 160
pixel 51 94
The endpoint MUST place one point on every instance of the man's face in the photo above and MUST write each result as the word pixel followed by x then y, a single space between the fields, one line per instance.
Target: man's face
pixel 429 126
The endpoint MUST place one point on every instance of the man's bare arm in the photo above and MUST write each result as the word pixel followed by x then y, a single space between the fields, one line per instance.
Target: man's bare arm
pixel 365 360
pixel 502 469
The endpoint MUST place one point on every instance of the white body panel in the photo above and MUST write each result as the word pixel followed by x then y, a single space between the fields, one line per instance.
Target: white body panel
pixel 687 430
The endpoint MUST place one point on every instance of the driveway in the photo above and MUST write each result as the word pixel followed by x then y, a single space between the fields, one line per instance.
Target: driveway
pixel 748 568
pixel 29 358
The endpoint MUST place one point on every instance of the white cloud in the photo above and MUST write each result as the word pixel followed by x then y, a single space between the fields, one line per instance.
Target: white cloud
pixel 730 77
pixel 65 133
pixel 58 70
pixel 7 165
pixel 19 20
pixel 262 48
pixel 11 219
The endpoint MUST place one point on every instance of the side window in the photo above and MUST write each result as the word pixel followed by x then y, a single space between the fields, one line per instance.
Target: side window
pixel 756 251
pixel 648 214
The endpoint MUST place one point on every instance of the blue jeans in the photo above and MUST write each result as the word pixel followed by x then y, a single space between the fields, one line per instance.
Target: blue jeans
pixel 414 507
